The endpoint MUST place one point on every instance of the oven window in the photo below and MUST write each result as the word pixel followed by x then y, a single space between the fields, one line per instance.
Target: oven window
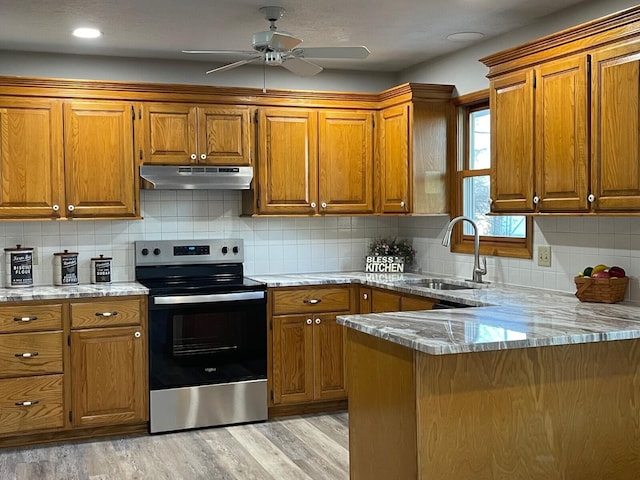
pixel 207 344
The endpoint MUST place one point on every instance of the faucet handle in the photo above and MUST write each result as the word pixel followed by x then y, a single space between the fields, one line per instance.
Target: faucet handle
pixel 483 269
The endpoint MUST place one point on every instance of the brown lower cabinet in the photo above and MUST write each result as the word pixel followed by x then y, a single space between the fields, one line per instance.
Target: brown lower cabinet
pixel 72 369
pixel 307 347
pixel 380 300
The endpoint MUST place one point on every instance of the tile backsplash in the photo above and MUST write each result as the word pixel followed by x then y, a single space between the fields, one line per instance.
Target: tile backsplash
pixel 310 244
pixel 272 245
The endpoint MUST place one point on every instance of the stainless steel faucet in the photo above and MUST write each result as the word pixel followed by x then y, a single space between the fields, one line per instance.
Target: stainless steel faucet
pixel 478 271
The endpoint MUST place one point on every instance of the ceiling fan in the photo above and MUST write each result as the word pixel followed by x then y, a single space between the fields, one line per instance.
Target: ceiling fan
pixel 281 48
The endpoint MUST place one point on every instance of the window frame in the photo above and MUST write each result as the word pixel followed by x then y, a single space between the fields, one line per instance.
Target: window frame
pixel 460 243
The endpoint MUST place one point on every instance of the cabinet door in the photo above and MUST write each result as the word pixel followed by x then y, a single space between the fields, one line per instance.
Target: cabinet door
pixel 292 358
pixel 100 178
pixel 170 134
pixel 395 160
pixel 561 135
pixel 328 353
pixel 346 162
pixel 412 303
pixel 224 136
pixel 108 375
pixel 615 128
pixel 365 300
pixel 31 159
pixel 383 301
pixel 288 162
pixel 512 117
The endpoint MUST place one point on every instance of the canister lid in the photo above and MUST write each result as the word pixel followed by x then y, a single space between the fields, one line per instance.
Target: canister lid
pixel 18 248
pixel 66 253
pixel 101 257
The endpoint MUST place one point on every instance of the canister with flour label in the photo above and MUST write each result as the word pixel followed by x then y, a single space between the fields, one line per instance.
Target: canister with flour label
pixel 18 267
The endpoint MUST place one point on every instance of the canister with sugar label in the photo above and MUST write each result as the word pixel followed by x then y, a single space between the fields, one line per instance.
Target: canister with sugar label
pixel 101 269
pixel 65 268
pixel 19 267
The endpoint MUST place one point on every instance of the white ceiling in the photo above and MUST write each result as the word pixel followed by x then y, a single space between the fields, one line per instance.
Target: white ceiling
pixel 399 33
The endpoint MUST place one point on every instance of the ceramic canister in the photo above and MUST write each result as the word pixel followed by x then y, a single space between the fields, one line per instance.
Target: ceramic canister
pixel 101 269
pixel 65 268
pixel 19 267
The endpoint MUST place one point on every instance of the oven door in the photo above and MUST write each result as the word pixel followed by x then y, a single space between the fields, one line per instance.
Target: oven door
pixel 207 339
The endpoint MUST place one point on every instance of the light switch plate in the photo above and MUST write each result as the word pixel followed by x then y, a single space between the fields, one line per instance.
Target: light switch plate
pixel 544 256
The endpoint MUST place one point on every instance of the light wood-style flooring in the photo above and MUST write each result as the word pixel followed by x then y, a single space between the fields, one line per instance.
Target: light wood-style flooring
pixel 293 448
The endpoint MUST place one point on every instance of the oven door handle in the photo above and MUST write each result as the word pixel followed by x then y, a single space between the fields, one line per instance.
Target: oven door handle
pixel 213 298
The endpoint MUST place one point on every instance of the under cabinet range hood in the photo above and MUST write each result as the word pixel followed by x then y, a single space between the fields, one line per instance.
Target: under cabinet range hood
pixel 171 177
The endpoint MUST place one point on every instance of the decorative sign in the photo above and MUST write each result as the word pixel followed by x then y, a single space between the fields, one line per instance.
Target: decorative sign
pixel 384 264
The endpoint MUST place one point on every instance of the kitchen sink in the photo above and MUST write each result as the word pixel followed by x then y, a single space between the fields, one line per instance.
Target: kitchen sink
pixel 440 284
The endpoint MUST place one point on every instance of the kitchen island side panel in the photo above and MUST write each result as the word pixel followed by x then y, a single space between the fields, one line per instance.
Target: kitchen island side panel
pixel 559 412
pixel 382 415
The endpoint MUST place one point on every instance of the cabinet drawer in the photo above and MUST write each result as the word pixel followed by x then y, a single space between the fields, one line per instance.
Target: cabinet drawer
pixel 303 300
pixel 29 318
pixel 31 403
pixel 42 353
pixel 105 314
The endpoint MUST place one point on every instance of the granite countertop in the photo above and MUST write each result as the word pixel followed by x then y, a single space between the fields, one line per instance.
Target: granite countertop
pixel 53 292
pixel 500 317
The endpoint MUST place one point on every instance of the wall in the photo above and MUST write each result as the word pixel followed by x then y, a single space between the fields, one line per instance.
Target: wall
pixel 274 245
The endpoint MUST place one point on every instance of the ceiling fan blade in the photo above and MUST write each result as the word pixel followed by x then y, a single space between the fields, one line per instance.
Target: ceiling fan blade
pixel 221 52
pixel 283 41
pixel 332 52
pixel 301 67
pixel 233 65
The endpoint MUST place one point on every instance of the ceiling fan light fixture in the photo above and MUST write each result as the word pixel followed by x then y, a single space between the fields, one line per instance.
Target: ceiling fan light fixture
pixel 465 36
pixel 87 32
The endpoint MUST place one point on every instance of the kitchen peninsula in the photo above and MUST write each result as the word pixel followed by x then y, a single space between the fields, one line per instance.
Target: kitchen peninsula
pixel 532 385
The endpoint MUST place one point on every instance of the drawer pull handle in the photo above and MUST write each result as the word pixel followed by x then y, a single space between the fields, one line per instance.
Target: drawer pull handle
pixel 106 314
pixel 27 403
pixel 312 301
pixel 24 319
pixel 26 354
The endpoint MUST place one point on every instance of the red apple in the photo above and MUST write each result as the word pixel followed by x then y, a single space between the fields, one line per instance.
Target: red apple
pixel 617 272
pixel 601 275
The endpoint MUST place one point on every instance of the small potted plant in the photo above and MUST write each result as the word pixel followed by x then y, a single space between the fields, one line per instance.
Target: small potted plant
pixel 395 247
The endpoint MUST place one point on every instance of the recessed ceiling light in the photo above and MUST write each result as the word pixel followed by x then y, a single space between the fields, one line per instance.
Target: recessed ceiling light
pixel 465 36
pixel 87 32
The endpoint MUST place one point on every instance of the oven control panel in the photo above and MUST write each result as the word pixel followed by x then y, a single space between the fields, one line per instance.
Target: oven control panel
pixel 181 252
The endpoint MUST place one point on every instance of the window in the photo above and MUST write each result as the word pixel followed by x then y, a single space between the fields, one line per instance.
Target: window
pixel 500 235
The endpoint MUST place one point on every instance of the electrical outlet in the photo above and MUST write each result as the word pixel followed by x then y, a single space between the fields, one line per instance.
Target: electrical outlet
pixel 544 256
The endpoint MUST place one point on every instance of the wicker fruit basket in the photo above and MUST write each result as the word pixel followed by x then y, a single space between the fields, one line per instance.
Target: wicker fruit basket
pixel 601 290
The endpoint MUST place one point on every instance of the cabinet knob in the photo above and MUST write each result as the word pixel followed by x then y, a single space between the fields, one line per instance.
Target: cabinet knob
pixel 71 208
pixel 193 156
pixel 365 296
pixel 313 204
pixel 137 334
pixel 318 321
pixel 323 204
pixel 591 198
pixel 309 322
pixel 490 200
pixel 536 199
pixel 56 208
pixel 203 156
pixel 402 204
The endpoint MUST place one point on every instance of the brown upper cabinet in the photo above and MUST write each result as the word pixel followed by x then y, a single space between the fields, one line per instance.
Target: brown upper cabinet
pixel 564 120
pixel 70 159
pixel 315 161
pixel 100 176
pixel 413 150
pixel 185 134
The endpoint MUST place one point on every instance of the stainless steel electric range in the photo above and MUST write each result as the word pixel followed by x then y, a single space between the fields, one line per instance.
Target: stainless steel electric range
pixel 207 334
